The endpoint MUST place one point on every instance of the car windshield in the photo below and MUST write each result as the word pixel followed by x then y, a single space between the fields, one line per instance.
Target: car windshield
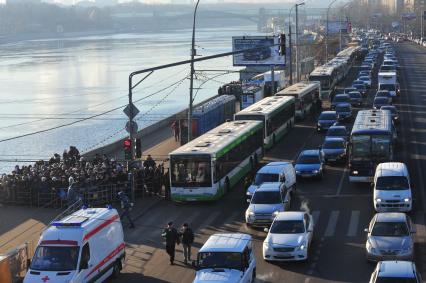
pixel 355 95
pixel 288 227
pixel 390 229
pixel 260 197
pixel 392 183
pixel 349 89
pixel 395 279
pixel 52 258
pixel 332 144
pixel 382 94
pixel 336 132
pixel 381 100
pixel 308 159
pixel 340 99
pixel 327 116
pixel 359 86
pixel 343 108
pixel 265 177
pixel 364 78
pixel 387 68
pixel 230 260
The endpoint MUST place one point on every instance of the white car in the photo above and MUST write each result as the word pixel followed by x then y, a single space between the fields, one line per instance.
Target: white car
pixel 289 237
pixel 392 190
pixel 366 80
pixel 396 271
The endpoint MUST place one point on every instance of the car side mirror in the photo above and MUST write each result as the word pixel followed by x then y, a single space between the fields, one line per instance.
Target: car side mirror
pixel 266 230
pixel 194 264
pixel 248 200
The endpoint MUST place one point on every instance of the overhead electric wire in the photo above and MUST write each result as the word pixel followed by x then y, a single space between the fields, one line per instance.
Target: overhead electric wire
pixel 88 118
pixel 93 106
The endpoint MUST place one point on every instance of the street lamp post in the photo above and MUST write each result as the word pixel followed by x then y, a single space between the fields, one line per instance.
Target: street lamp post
pixel 326 32
pixel 291 46
pixel 191 82
pixel 340 25
pixel 297 41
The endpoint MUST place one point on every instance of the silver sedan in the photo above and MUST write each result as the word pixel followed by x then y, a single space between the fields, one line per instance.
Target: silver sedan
pixel 390 237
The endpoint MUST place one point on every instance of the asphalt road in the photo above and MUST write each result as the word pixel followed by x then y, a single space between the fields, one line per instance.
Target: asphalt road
pixel 341 209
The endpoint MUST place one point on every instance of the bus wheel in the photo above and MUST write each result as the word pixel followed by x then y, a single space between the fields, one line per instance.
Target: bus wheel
pixel 227 186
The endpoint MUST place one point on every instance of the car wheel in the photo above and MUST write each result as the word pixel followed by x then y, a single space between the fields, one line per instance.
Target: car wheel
pixel 116 269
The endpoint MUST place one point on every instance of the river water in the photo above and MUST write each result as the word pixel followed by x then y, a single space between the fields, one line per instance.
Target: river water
pixel 54 82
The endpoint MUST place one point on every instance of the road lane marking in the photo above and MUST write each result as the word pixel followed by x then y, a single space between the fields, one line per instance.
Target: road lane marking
pixel 353 223
pixel 332 223
pixel 339 188
pixel 209 220
pixel 315 216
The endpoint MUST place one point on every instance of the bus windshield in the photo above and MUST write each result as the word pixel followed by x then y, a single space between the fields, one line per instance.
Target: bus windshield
pixel 52 258
pixel 370 147
pixel 389 87
pixel 191 171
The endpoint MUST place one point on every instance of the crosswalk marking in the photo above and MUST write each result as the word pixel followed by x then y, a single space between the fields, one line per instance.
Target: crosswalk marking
pixel 315 216
pixel 353 224
pixel 332 222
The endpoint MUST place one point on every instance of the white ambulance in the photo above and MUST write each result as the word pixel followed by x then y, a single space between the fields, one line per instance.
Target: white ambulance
pixel 86 246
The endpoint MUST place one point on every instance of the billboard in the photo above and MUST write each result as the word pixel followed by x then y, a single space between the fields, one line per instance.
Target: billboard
pixel 267 55
pixel 333 27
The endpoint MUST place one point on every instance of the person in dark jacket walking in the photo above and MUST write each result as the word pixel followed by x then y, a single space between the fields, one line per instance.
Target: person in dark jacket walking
pixel 126 205
pixel 187 240
pixel 172 238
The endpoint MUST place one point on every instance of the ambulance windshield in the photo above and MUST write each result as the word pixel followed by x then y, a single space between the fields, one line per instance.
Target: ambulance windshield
pixel 53 258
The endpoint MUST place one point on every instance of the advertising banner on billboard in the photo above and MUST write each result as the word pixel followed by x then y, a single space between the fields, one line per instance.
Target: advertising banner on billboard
pixel 267 55
pixel 335 26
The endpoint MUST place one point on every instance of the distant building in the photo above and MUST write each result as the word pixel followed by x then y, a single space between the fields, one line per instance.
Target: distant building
pixel 22 1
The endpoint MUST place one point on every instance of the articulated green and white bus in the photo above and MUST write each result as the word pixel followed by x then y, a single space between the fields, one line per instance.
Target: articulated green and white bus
pixel 276 113
pixel 207 167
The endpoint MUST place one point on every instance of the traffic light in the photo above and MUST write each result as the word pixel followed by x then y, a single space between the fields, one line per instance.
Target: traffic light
pixel 282 44
pixel 138 148
pixel 127 144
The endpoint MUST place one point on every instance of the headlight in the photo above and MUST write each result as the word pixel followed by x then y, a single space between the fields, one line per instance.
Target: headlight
pixel 315 171
pixel 370 247
pixel 396 118
pixel 249 213
pixel 297 172
pixel 275 213
pixel 407 199
pixel 355 172
pixel 302 247
pixel 378 200
pixel 266 245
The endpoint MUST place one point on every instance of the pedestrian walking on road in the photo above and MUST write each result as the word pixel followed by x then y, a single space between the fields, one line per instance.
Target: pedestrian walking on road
pixel 126 205
pixel 187 240
pixel 175 129
pixel 172 238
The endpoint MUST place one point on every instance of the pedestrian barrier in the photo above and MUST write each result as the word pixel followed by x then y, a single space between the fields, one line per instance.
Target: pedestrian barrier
pixel 14 264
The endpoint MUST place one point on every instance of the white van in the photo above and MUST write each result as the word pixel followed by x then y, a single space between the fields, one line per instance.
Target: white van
pixel 274 172
pixel 227 258
pixel 86 246
pixel 392 190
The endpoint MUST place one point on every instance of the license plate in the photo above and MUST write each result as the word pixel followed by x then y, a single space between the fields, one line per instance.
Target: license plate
pixel 263 220
pixel 332 159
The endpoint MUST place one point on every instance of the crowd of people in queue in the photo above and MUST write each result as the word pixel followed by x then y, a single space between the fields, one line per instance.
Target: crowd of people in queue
pixel 71 169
